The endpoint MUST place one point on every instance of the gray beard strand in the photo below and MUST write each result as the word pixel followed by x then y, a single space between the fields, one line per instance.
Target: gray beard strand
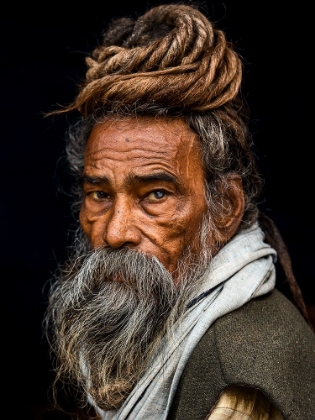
pixel 105 331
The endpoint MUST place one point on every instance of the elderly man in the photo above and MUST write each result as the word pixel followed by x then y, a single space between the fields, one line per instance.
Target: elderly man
pixel 167 307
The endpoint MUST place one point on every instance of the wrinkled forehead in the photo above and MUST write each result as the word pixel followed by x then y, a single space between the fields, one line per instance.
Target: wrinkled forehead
pixel 163 138
pixel 123 148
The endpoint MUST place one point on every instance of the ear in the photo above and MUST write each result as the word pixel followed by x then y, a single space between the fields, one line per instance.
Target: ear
pixel 232 208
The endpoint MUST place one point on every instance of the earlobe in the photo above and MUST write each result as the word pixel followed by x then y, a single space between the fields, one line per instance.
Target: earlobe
pixel 233 204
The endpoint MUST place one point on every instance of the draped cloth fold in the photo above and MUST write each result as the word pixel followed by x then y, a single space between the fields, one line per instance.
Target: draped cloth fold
pixel 243 269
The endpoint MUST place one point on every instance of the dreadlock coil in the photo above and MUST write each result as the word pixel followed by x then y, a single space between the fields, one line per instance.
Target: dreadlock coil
pixel 171 56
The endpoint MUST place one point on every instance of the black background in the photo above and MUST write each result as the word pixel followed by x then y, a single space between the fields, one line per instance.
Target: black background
pixel 42 60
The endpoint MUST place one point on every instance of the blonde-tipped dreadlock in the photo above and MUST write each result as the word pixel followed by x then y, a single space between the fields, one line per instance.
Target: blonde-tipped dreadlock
pixel 190 66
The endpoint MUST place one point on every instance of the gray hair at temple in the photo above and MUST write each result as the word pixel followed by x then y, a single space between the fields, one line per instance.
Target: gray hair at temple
pixel 172 61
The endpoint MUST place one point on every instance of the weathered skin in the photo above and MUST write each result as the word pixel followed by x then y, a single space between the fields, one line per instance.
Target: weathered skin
pixel 143 187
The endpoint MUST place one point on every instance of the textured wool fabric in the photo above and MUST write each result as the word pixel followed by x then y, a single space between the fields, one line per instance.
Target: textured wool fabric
pixel 265 344
pixel 242 270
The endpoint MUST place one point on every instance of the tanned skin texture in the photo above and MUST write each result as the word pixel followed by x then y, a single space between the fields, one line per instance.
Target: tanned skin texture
pixel 143 187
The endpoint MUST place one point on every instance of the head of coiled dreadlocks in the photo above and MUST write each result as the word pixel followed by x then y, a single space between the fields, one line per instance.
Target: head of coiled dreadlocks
pixel 164 155
pixel 172 61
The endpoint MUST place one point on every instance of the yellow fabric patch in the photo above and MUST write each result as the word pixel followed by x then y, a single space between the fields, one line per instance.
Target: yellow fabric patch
pixel 244 403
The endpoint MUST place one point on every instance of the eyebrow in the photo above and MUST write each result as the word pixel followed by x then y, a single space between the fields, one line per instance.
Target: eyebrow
pixel 133 179
pixel 145 179
pixel 95 180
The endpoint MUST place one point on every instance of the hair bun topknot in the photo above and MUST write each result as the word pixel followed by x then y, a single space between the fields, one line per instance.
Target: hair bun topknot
pixel 171 56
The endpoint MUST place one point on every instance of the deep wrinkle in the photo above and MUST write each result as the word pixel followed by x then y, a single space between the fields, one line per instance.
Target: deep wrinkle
pixel 159 157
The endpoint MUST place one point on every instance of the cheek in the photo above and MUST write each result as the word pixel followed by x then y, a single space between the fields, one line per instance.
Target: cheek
pixel 180 230
pixel 86 225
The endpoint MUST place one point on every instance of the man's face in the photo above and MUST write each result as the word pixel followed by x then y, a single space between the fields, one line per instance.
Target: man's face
pixel 143 187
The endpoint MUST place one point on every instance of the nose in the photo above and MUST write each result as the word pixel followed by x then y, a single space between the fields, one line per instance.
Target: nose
pixel 121 229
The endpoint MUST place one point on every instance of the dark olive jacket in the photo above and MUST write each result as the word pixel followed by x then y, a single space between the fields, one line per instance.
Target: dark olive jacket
pixel 264 344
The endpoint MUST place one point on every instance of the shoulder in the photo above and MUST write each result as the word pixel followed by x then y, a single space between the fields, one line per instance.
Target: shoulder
pixel 265 344
pixel 263 310
pixel 268 325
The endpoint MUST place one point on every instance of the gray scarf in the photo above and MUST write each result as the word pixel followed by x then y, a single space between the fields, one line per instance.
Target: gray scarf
pixel 242 270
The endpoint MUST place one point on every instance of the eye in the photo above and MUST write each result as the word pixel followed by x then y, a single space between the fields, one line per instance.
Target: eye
pixel 99 195
pixel 156 195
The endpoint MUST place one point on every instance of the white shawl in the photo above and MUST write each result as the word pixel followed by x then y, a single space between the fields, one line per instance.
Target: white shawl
pixel 242 270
